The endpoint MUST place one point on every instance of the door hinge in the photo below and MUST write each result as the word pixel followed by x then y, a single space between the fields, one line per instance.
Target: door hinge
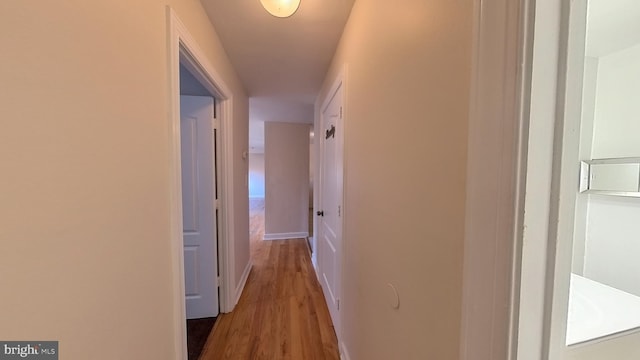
pixel 216 123
pixel 219 281
pixel 340 112
pixel 338 303
pixel 217 204
pixel 339 208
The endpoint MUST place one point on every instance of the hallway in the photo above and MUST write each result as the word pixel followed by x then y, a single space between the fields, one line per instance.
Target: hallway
pixel 93 221
pixel 281 313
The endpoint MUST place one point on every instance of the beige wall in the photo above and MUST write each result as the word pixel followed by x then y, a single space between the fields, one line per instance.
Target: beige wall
pixel 406 111
pixel 286 152
pixel 84 195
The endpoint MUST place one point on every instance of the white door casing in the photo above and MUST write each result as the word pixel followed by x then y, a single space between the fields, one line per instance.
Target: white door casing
pixel 565 178
pixel 184 50
pixel 330 196
pixel 198 206
pixel 496 159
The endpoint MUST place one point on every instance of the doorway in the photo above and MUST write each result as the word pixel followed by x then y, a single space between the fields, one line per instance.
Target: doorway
pixel 256 181
pixel 584 279
pixel 200 216
pixel 184 51
pixel 199 197
pixel 312 166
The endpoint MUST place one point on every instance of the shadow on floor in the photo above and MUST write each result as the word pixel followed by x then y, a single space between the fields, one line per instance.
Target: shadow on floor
pixel 198 331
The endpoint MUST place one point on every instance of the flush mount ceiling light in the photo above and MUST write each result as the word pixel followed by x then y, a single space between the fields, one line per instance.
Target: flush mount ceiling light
pixel 281 8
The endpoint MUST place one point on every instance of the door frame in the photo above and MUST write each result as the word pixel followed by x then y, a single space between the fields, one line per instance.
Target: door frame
pixel 183 49
pixel 553 145
pixel 502 43
pixel 339 82
pixel 565 174
pixel 518 101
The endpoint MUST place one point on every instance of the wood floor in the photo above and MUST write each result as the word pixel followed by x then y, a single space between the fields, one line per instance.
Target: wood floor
pixel 281 313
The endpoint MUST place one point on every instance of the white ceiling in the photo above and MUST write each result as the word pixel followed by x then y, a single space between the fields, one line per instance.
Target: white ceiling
pixel 281 61
pixel 279 56
pixel 612 25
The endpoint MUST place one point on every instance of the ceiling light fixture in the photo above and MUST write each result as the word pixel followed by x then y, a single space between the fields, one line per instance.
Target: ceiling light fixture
pixel 281 8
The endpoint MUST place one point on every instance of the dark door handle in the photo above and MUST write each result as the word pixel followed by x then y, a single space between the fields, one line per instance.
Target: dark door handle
pixel 320 213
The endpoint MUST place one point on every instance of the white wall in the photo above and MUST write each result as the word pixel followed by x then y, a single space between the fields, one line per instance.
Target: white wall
pixel 613 242
pixel 84 194
pixel 612 232
pixel 617 113
pixel 256 175
pixel 286 180
pixel 406 119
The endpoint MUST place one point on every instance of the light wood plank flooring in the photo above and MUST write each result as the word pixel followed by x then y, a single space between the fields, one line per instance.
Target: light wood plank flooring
pixel 281 313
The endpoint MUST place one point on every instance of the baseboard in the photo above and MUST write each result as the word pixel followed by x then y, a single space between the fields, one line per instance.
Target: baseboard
pixel 286 236
pixel 344 354
pixel 309 245
pixel 243 282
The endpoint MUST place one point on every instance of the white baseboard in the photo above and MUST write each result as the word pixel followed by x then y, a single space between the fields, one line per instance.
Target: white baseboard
pixel 310 244
pixel 314 258
pixel 242 283
pixel 286 236
pixel 344 354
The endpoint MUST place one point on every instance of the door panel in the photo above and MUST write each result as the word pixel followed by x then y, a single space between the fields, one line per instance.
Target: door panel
pixel 330 224
pixel 198 206
pixel 190 216
pixel 191 268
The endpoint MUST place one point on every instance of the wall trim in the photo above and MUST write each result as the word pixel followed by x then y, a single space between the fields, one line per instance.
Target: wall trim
pixel 496 163
pixel 344 354
pixel 242 282
pixel 286 236
pixel 183 49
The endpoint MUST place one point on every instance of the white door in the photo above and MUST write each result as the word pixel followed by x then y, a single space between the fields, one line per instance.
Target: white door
pixel 330 214
pixel 198 206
